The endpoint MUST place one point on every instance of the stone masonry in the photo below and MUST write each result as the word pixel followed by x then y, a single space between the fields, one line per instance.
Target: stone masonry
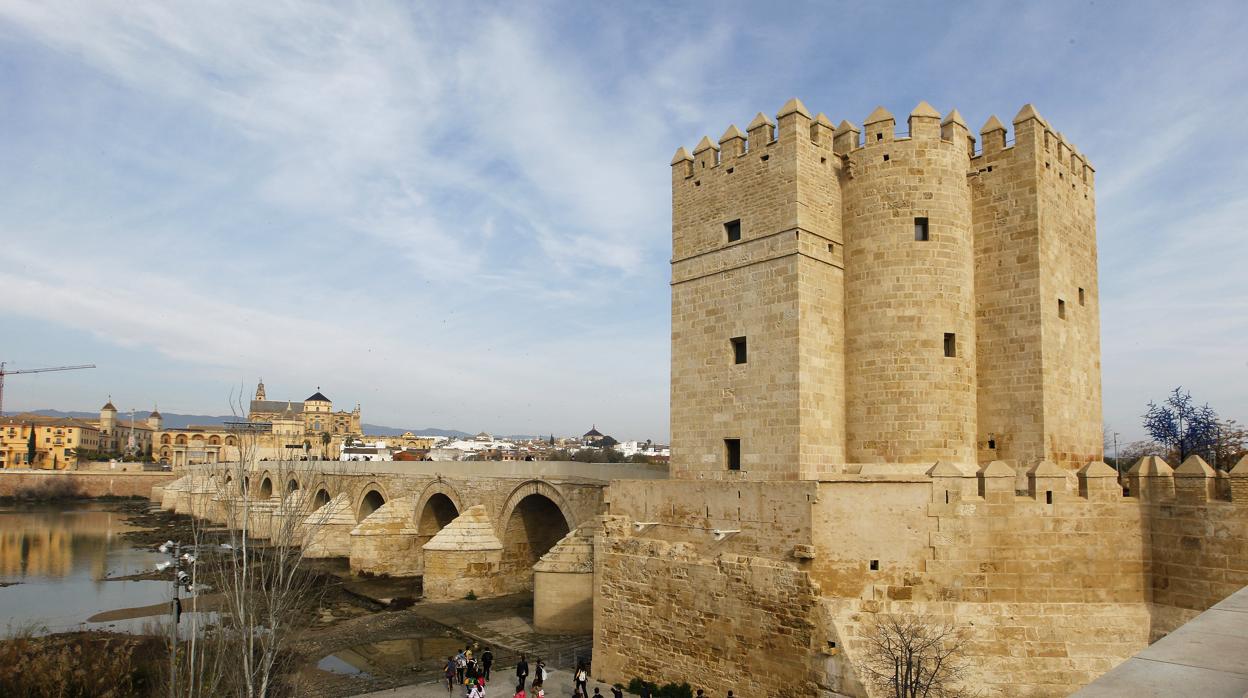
pixel 901 298
pixel 886 400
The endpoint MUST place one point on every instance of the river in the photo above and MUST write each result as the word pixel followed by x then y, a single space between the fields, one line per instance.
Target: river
pixel 54 560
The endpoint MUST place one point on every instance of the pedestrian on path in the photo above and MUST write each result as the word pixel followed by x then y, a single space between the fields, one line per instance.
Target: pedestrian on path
pixel 539 672
pixel 487 661
pixel 617 691
pixel 582 679
pixel 461 664
pixel 449 672
pixel 522 670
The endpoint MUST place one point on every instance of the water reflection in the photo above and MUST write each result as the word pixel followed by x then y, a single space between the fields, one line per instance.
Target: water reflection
pixel 57 559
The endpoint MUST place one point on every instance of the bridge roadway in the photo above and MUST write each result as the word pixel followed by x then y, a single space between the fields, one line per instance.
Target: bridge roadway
pixel 477 526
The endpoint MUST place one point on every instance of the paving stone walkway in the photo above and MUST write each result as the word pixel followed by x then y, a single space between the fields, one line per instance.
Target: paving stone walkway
pixel 558 685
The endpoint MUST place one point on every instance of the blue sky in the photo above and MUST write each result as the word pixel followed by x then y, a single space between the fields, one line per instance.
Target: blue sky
pixel 458 214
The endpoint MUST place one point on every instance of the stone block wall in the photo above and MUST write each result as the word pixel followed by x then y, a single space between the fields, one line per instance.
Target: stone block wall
pixel 1055 586
pixel 91 484
pixel 667 613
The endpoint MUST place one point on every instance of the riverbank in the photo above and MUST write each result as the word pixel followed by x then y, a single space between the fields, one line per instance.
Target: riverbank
pixel 364 633
pixel 15 483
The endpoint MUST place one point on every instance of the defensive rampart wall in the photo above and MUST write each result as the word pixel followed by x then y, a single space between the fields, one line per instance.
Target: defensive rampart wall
pixel 1054 584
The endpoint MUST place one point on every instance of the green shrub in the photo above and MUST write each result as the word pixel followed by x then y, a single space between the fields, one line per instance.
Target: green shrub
pixel 670 690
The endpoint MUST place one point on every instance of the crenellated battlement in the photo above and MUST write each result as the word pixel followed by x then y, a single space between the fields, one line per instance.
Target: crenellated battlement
pixel 796 125
pixel 1151 480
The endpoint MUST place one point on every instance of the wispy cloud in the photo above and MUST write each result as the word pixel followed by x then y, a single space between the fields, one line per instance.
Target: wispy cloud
pixel 469 203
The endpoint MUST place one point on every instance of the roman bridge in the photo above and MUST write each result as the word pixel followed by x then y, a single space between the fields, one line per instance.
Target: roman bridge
pixel 487 528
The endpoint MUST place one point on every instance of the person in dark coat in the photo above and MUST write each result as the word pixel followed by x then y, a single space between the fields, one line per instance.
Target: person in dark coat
pixel 487 661
pixel 522 670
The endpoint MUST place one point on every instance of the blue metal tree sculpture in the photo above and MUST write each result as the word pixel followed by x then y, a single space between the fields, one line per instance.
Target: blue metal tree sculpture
pixel 1181 425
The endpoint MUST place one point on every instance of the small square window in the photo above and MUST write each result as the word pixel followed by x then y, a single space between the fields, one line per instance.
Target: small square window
pixel 739 355
pixel 875 565
pixel 920 230
pixel 1081 297
pixel 951 344
pixel 1061 308
pixel 732 450
pixel 733 229
pixel 879 136
pixel 885 157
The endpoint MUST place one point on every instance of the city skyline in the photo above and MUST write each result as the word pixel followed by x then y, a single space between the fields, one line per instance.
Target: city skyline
pixel 460 217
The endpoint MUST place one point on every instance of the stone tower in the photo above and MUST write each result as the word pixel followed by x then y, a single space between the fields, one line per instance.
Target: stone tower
pixel 108 417
pixel 260 390
pixel 155 420
pixel 847 296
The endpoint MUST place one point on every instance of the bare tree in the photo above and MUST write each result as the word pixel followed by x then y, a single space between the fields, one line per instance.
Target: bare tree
pixel 915 657
pixel 249 536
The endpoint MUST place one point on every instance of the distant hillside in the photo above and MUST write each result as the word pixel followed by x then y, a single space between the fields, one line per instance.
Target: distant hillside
pixel 169 419
pixel 172 420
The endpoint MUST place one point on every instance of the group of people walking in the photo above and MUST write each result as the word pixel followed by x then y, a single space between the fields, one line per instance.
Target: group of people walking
pixel 473 673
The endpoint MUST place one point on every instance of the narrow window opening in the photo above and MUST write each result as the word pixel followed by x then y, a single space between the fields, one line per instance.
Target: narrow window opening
pixel 1081 299
pixel 697 182
pixel 875 565
pixel 879 136
pixel 1061 308
pixel 731 170
pixel 733 229
pixel 990 168
pixel 765 158
pixel 1047 165
pixel 822 160
pixel 739 353
pixel 885 157
pixel 992 444
pixel 1048 496
pixel 951 344
pixel 946 496
pixel 831 645
pixel 920 230
pixel 704 164
pixel 831 248
pixel 732 448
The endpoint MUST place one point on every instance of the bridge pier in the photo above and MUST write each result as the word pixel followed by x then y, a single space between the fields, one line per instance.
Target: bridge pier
pixel 329 529
pixel 260 517
pixel 169 495
pixel 464 557
pixel 386 543
pixel 563 585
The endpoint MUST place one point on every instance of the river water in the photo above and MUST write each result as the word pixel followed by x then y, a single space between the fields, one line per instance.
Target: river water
pixel 55 559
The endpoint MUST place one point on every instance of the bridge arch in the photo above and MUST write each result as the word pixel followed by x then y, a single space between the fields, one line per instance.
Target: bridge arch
pixel 322 496
pixel 444 492
pixel 292 485
pixel 534 518
pixel 265 490
pixel 372 497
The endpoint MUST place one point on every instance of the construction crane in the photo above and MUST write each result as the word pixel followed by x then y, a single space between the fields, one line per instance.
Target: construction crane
pixel 4 372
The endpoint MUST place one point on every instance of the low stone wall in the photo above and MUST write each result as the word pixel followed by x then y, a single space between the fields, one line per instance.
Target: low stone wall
pixel 91 484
